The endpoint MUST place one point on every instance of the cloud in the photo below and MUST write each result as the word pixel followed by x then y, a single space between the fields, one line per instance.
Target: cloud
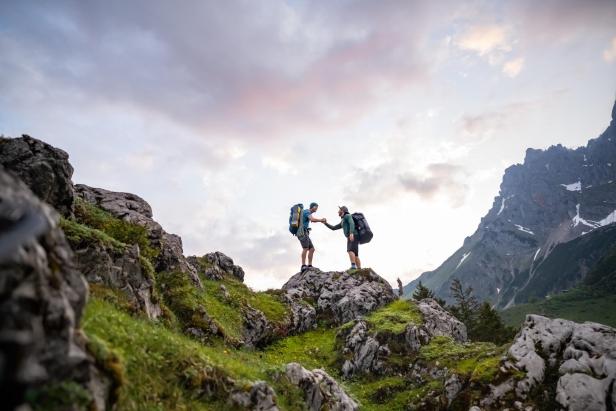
pixel 391 180
pixel 609 54
pixel 513 67
pixel 484 40
pixel 486 124
pixel 226 69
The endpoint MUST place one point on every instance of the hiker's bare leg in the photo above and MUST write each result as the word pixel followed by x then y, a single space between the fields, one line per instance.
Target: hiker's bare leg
pixel 358 262
pixel 304 252
pixel 310 254
pixel 352 257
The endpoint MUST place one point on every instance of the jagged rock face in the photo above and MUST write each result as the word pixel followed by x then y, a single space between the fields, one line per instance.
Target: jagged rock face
pixel 321 392
pixel 340 295
pixel 555 196
pixel 42 299
pixel 582 356
pixel 43 168
pixel 257 330
pixel 367 354
pixel 121 270
pixel 134 209
pixel 303 315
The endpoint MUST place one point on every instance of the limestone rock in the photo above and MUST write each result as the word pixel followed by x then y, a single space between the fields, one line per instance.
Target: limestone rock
pixel 43 297
pixel 216 265
pixel 367 355
pixel 321 392
pixel 439 322
pixel 583 356
pixel 43 168
pixel 257 329
pixel 258 397
pixel 133 209
pixel 119 269
pixel 303 315
pixel 339 295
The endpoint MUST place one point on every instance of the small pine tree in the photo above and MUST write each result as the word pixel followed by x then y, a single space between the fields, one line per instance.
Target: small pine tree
pixel 422 292
pixel 489 326
pixel 466 306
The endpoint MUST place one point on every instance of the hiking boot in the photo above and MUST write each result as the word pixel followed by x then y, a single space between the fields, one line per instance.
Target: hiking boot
pixel 304 268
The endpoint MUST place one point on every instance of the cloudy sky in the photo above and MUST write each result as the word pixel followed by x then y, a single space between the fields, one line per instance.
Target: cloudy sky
pixel 223 114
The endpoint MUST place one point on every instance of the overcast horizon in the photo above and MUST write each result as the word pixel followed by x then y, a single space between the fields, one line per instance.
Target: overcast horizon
pixel 222 115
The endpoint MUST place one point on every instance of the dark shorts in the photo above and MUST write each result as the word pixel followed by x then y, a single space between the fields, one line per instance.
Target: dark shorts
pixel 353 246
pixel 305 241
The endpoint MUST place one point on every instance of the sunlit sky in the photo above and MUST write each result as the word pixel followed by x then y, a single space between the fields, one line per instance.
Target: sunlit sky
pixel 223 114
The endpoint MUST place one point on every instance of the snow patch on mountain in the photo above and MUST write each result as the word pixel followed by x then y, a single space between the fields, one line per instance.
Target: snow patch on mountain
pixel 524 229
pixel 577 220
pixel 611 218
pixel 537 253
pixel 577 186
pixel 464 257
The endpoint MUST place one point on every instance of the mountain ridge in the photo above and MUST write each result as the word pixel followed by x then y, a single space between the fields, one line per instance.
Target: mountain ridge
pixel 554 196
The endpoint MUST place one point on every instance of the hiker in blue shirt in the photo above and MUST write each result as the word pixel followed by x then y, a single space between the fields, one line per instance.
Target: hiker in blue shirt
pixel 303 234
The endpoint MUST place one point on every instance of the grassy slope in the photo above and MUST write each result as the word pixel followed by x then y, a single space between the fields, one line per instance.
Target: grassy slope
pixel 164 369
pixel 576 305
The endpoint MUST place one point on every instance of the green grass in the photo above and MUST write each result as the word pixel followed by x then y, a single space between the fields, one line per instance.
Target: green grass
pixel 579 304
pixel 478 360
pixel 394 317
pixel 161 369
pixel 79 234
pixel 390 393
pixel 200 308
pixel 122 231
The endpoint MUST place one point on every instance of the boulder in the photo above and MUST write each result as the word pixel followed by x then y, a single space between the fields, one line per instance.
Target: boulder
pixel 43 168
pixel 341 296
pixel 321 392
pixel 582 357
pixel 42 300
pixel 257 397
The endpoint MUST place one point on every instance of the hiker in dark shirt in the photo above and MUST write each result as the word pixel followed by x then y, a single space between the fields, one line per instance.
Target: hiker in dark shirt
pixel 350 232
pixel 303 234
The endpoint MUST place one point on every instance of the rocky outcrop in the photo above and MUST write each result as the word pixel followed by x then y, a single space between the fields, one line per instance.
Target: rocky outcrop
pixel 42 300
pixel 133 209
pixel 555 196
pixel 43 168
pixel 366 354
pixel 439 322
pixel 121 269
pixel 340 296
pixel 321 392
pixel 575 364
pixel 303 315
pixel 216 265
pixel 366 351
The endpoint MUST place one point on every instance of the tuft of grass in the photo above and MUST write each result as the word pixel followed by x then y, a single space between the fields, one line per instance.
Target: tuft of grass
pixel 394 317
pixel 391 393
pixel 478 360
pixel 108 360
pixel 62 395
pixel 79 234
pixel 118 229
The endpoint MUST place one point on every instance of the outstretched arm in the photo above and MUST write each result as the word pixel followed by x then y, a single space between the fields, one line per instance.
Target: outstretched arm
pixel 334 227
pixel 317 220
